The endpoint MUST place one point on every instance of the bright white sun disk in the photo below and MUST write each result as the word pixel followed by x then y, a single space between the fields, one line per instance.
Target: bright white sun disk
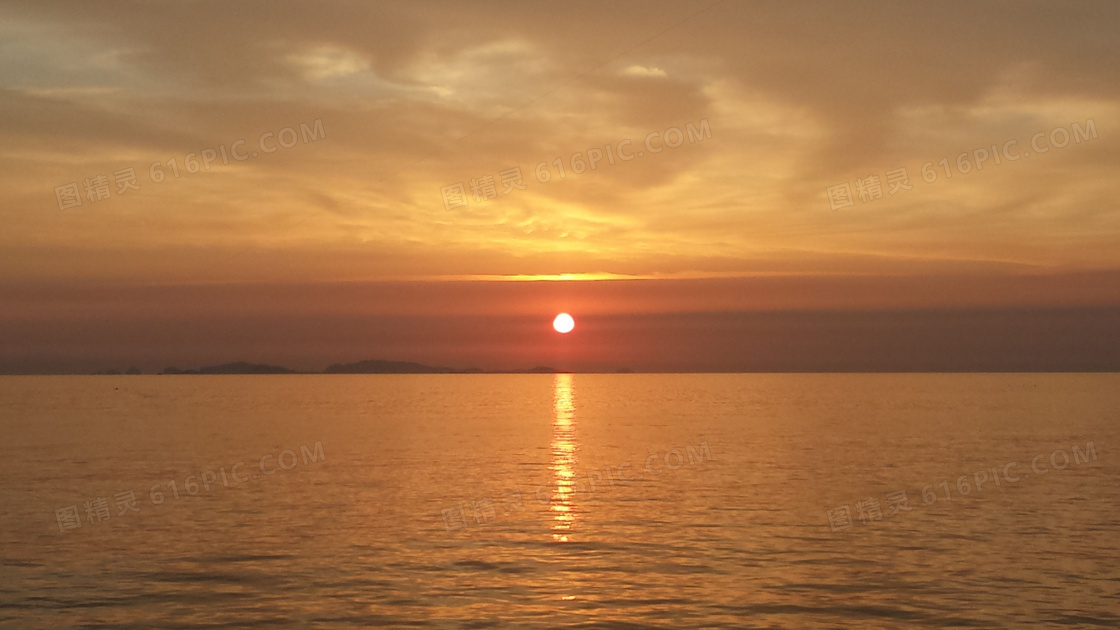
pixel 563 323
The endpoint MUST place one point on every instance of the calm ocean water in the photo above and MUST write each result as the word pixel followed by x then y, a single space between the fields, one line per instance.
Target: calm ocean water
pixel 593 501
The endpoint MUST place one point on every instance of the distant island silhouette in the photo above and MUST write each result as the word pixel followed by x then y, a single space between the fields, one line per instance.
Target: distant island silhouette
pixel 240 367
pixel 376 366
pixel 369 366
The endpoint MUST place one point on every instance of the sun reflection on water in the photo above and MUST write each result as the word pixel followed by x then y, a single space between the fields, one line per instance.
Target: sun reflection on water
pixel 563 460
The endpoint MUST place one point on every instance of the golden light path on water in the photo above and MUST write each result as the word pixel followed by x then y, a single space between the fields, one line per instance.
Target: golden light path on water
pixel 563 459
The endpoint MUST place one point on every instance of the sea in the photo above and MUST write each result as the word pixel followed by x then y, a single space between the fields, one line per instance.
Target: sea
pixel 560 501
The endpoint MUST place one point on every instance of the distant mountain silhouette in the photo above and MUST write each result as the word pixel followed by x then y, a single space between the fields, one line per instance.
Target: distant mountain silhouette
pixel 369 366
pixel 375 366
pixel 240 367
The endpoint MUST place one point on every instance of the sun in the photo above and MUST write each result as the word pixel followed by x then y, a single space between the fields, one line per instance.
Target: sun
pixel 563 323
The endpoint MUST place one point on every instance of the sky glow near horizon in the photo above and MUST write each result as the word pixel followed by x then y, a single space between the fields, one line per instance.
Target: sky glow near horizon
pixel 414 99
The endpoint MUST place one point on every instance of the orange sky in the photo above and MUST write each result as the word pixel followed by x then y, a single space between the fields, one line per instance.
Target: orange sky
pixel 343 238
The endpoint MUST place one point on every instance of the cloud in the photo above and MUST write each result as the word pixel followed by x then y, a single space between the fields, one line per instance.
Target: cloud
pixel 421 95
pixel 643 71
pixel 328 62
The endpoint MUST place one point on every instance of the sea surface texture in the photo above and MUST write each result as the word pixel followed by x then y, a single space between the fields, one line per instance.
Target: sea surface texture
pixel 555 501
